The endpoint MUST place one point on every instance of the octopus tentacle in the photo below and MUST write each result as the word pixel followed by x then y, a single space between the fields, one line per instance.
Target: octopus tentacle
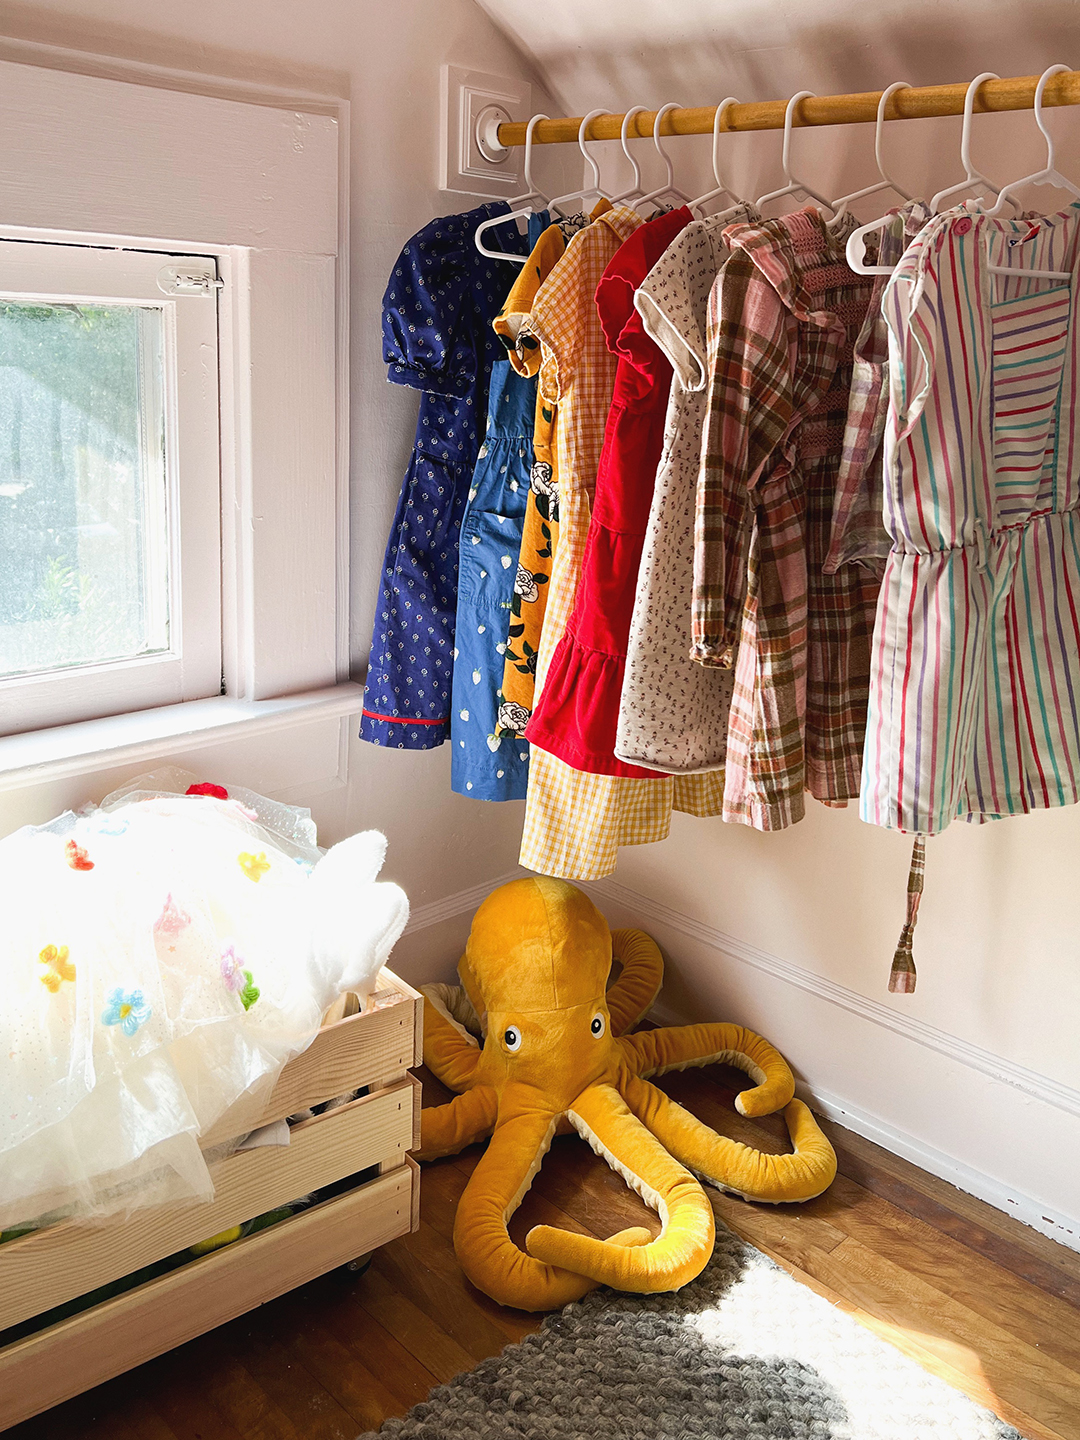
pixel 447 1129
pixel 655 1052
pixel 631 996
pixel 450 1052
pixel 496 1188
pixel 753 1174
pixel 683 1247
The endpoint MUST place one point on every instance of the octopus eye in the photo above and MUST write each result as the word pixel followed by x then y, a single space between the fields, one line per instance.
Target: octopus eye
pixel 597 1025
pixel 512 1039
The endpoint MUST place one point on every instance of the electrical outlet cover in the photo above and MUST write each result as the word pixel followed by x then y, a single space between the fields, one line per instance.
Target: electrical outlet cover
pixel 466 94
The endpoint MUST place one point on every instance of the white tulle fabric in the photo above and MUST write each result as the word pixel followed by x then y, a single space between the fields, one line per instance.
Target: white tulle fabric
pixel 135 937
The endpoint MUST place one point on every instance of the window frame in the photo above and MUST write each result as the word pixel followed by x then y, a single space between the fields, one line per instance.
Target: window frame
pixel 258 178
pixel 190 668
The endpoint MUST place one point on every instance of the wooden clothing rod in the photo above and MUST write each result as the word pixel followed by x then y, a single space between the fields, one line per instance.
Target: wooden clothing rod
pixel 916 103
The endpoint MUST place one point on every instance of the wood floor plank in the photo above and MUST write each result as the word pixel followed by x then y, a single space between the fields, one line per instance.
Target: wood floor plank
pixel 107 1423
pixel 440 1192
pixel 136 1394
pixel 371 1344
pixel 353 1384
pixel 951 1364
pixel 1025 1310
pixel 579 1183
pixel 492 1323
pixel 414 1329
pixel 188 1410
pixel 981 1227
pixel 148 1424
pixel 309 1407
pixel 238 1396
pixel 782 1227
pixel 1017 1373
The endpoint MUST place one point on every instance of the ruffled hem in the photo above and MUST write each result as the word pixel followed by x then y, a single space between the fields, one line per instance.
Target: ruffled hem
pixel 577 718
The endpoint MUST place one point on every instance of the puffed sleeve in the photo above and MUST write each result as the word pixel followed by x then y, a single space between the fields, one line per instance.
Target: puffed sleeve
pixel 427 343
pixel 624 330
pixel 664 300
pixel 559 316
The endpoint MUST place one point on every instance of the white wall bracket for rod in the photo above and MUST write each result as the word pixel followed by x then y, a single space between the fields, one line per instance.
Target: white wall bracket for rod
pixel 474 105
pixel 487 133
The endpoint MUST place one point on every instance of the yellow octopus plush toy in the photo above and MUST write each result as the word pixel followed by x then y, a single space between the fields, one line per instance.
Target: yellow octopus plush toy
pixel 556 1054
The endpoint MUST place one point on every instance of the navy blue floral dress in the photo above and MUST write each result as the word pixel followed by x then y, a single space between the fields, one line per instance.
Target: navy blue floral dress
pixel 437 338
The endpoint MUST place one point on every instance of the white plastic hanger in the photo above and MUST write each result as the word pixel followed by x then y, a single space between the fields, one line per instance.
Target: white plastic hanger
pixel 793 186
pixel 886 182
pixel 722 187
pixel 669 188
pixel 972 177
pixel 1049 175
pixel 635 189
pixel 521 200
pixel 594 189
pixel 855 245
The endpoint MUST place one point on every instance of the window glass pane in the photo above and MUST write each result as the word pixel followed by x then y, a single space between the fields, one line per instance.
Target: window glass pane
pixel 83 514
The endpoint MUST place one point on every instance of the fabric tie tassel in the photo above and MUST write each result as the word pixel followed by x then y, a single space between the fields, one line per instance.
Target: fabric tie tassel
pixel 902 977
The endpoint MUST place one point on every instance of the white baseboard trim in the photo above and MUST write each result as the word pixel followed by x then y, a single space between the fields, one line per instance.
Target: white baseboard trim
pixel 1040 1087
pixel 1050 1222
pixel 462 902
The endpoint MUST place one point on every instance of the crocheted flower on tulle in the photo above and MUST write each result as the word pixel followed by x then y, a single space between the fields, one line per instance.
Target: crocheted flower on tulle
pixel 58 967
pixel 217 791
pixel 126 1008
pixel 253 866
pixel 77 857
pixel 237 979
pixel 173 919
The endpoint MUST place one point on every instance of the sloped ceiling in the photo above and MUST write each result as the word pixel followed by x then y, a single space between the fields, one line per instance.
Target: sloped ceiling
pixel 620 52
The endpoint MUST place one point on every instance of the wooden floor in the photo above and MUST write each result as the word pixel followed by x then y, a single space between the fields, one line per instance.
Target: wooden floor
pixel 974 1296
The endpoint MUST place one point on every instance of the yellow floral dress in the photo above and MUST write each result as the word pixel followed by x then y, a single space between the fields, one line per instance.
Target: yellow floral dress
pixel 576 822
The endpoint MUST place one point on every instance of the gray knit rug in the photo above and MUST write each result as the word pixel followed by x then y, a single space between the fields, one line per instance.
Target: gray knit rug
pixel 744 1352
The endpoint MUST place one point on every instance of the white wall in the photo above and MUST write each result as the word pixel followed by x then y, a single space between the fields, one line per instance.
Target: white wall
pixel 794 933
pixel 385 59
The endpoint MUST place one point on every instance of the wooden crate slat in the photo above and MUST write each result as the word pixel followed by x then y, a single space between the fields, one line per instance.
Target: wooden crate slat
pixel 346 1054
pixel 52 1266
pixel 44 1369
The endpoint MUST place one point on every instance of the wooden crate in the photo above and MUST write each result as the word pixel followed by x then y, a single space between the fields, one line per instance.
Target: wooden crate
pixel 52 1266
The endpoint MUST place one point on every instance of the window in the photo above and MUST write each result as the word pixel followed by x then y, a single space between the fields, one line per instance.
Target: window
pixel 110 551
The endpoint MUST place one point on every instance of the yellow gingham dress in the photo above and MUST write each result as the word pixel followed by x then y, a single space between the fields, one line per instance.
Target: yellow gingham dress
pixel 575 822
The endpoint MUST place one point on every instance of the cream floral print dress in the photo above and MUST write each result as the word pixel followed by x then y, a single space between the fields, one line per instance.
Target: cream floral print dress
pixel 673 714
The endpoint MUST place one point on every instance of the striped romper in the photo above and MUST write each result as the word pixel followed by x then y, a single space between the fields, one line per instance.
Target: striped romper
pixel 975 682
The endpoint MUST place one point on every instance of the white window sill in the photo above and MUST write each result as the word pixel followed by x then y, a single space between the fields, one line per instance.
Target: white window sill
pixel 44 755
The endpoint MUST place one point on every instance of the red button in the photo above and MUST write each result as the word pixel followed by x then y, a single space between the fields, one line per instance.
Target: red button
pixel 963 225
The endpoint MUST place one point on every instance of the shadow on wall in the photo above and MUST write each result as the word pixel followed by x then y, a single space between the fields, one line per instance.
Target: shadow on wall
pixel 766 51
pixel 615 53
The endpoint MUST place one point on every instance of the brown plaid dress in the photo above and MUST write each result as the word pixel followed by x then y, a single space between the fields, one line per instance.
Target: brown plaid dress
pixel 783 315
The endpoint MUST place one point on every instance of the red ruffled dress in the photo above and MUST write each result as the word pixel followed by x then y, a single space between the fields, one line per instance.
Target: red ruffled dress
pixel 577 715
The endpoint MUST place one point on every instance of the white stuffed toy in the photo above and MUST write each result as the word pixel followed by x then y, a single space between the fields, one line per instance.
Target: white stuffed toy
pixel 163 955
